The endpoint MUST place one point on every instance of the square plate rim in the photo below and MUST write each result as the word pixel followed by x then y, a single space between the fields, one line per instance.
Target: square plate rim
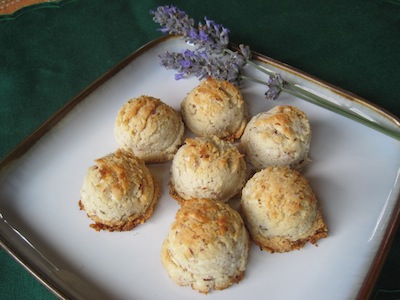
pixel 60 289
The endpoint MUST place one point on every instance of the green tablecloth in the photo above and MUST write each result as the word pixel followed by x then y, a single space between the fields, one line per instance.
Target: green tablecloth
pixel 48 55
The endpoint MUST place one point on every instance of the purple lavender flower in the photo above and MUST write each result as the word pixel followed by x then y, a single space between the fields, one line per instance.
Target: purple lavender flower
pixel 199 64
pixel 275 87
pixel 210 36
pixel 214 36
pixel 179 76
pixel 203 36
pixel 245 51
pixel 186 63
pixel 173 20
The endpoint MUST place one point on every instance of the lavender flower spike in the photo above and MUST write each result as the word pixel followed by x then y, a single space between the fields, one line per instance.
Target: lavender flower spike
pixel 210 36
pixel 275 87
pixel 217 36
pixel 173 20
pixel 199 64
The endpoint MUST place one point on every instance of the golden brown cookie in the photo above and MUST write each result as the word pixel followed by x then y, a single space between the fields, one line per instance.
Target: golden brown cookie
pixel 207 167
pixel 149 128
pixel 217 108
pixel 207 246
pixel 118 192
pixel 280 136
pixel 281 211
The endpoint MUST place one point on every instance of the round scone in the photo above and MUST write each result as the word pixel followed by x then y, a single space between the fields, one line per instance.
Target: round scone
pixel 215 107
pixel 207 167
pixel 149 128
pixel 118 192
pixel 207 246
pixel 280 210
pixel 280 136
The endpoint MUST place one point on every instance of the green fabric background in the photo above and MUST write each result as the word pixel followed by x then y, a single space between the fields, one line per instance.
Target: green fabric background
pixel 48 55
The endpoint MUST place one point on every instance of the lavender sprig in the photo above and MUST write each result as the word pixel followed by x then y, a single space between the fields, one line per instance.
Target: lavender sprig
pixel 212 57
pixel 211 37
pixel 201 65
pixel 173 20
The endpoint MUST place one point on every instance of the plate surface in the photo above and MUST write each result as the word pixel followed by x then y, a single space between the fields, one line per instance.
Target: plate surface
pixel 354 173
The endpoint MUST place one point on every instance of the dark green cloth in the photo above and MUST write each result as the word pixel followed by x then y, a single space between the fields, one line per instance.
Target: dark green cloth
pixel 48 55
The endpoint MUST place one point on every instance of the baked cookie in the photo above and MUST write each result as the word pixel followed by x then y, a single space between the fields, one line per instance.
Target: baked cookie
pixel 207 246
pixel 280 136
pixel 149 128
pixel 207 167
pixel 118 192
pixel 281 211
pixel 215 107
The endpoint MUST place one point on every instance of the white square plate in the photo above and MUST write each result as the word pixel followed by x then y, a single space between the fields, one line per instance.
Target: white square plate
pixel 354 173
